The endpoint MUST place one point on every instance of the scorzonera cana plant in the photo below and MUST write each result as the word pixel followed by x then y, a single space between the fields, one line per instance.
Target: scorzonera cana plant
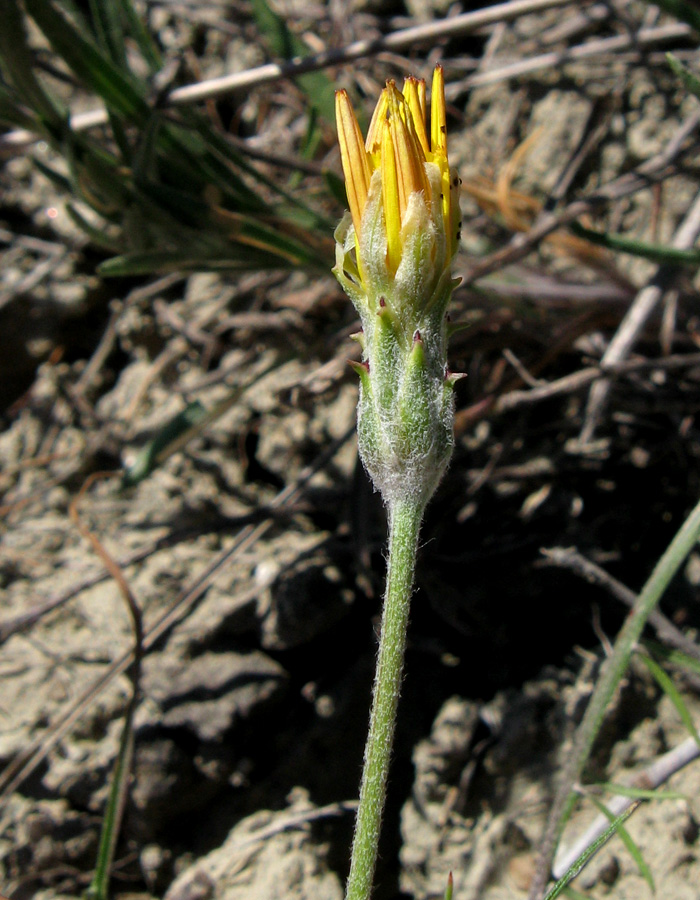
pixel 394 252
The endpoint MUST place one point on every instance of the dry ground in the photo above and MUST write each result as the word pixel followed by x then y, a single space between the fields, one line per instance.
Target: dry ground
pixel 255 552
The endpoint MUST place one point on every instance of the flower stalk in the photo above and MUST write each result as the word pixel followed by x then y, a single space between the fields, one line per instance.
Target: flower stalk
pixel 404 525
pixel 394 253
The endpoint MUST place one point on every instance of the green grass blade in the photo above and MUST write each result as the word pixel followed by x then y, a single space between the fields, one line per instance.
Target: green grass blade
pixel 98 236
pixel 17 61
pixel 119 91
pixel 157 449
pixel 56 178
pixel 191 155
pixel 683 10
pixel 238 259
pixel 689 79
pixel 639 793
pixel 673 657
pixel 450 887
pixel 139 33
pixel 15 114
pixel 99 887
pixel 573 894
pixel 589 853
pixel 656 252
pixel 111 39
pixel 336 187
pixel 668 687
pixel 108 30
pixel 229 156
pixel 628 841
pixel 318 88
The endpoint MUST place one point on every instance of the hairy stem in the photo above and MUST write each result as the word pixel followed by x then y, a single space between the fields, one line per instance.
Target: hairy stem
pixel 404 526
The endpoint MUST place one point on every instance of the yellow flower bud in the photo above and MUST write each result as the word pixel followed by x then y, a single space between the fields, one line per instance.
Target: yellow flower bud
pixel 410 161
pixel 394 260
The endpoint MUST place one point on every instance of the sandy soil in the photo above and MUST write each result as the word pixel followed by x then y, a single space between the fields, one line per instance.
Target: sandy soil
pixel 254 552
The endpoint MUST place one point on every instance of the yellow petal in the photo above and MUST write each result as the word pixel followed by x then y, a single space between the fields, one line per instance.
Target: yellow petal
pixel 421 96
pixel 411 92
pixel 353 156
pixel 410 159
pixel 438 115
pixel 374 138
pixel 438 146
pixel 390 201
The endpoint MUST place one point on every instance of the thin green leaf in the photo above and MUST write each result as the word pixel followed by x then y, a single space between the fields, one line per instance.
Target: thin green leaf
pixel 319 89
pixel 312 138
pixel 336 186
pixel 639 793
pixel 56 178
pixel 15 114
pixel 238 259
pixel 139 33
pixel 631 845
pixel 217 229
pixel 683 10
pixel 573 894
pixel 97 235
pixel 588 853
pixel 191 155
pixel 18 64
pixel 657 252
pixel 673 657
pixel 450 887
pixel 671 691
pixel 689 79
pixel 108 29
pixel 119 91
pixel 111 823
pixel 230 155
pixel 95 176
pixel 156 451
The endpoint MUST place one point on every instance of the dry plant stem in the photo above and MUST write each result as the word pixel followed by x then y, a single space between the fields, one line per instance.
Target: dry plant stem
pixel 570 383
pixel 648 779
pixel 652 170
pixel 116 803
pixel 404 526
pixel 643 38
pixel 611 673
pixel 634 321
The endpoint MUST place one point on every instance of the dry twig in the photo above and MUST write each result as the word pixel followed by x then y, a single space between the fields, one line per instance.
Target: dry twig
pixel 634 321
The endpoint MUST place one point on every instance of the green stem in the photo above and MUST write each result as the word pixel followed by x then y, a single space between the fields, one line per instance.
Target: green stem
pixel 404 525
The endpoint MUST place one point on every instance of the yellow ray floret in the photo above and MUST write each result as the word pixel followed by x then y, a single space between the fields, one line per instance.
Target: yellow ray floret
pixel 353 157
pixel 399 146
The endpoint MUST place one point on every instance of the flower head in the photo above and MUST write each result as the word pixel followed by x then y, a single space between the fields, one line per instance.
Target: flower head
pixel 394 255
pixel 407 161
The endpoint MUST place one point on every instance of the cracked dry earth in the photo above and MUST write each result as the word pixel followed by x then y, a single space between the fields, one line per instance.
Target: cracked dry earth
pixel 255 552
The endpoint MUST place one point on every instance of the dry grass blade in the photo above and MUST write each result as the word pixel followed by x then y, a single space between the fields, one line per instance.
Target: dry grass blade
pixel 112 819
